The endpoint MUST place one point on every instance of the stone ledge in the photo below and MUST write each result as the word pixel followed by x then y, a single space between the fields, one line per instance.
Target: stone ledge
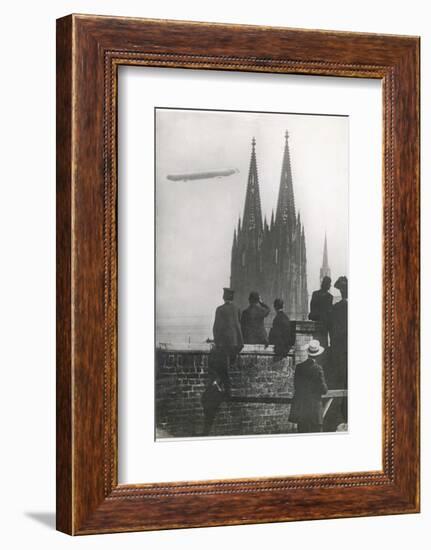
pixel 307 328
pixel 204 348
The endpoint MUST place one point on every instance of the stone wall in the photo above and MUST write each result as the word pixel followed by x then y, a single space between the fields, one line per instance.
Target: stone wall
pixel 182 376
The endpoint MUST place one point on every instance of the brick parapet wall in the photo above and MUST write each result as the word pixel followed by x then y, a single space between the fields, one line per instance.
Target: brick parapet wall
pixel 182 376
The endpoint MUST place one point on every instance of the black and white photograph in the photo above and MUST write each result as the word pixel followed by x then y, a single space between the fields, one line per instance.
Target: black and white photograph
pixel 251 273
pixel 193 194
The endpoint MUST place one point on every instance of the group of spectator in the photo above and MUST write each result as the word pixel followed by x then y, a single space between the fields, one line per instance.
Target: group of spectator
pixel 232 329
pixel 325 366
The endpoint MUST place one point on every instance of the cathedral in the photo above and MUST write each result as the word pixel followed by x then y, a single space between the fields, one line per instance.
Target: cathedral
pixel 271 257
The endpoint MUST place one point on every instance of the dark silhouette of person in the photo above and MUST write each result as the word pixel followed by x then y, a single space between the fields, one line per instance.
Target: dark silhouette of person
pixel 337 324
pixel 227 327
pixel 281 335
pixel 309 385
pixel 337 357
pixel 320 309
pixel 218 387
pixel 228 342
pixel 252 321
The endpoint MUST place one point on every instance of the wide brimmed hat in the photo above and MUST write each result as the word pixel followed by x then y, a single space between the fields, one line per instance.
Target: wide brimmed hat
pixel 314 348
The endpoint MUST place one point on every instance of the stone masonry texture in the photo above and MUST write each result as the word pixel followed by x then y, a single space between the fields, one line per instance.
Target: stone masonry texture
pixel 182 376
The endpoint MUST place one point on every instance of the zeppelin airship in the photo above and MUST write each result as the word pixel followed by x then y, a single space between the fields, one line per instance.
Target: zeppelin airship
pixel 203 175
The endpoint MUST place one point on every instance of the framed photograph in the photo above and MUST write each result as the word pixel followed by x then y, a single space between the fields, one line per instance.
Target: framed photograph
pixel 237 274
pixel 248 350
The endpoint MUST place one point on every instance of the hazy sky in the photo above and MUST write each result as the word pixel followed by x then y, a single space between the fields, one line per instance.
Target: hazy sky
pixel 195 220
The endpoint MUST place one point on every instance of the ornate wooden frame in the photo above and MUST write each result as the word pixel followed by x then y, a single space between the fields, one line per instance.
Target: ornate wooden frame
pixel 89 51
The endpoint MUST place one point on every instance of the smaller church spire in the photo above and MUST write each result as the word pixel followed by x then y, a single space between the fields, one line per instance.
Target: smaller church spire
pixel 325 270
pixel 325 253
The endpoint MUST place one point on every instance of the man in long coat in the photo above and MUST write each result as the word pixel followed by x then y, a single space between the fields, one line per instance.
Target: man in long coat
pixel 336 366
pixel 338 332
pixel 320 309
pixel 281 334
pixel 309 384
pixel 252 321
pixel 228 342
pixel 227 328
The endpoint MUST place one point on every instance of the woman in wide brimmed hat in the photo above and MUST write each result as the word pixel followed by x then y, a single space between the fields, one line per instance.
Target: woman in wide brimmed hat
pixel 314 348
pixel 309 382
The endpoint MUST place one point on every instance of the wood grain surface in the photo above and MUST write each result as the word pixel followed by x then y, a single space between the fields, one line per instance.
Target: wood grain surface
pixel 89 51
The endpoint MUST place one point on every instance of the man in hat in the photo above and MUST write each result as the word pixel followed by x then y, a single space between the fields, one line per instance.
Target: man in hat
pixel 337 323
pixel 336 367
pixel 281 334
pixel 227 328
pixel 320 309
pixel 309 384
pixel 227 337
pixel 228 343
pixel 252 320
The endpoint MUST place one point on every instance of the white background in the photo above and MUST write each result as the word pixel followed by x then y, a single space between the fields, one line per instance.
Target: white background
pixel 27 219
pixel 143 460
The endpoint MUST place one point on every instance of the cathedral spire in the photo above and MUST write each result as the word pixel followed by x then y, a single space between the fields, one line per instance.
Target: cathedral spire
pixel 252 218
pixel 269 255
pixel 286 201
pixel 325 270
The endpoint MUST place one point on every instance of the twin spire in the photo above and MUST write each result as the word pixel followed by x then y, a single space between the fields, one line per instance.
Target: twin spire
pixel 271 258
pixel 286 200
pixel 252 218
pixel 285 213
